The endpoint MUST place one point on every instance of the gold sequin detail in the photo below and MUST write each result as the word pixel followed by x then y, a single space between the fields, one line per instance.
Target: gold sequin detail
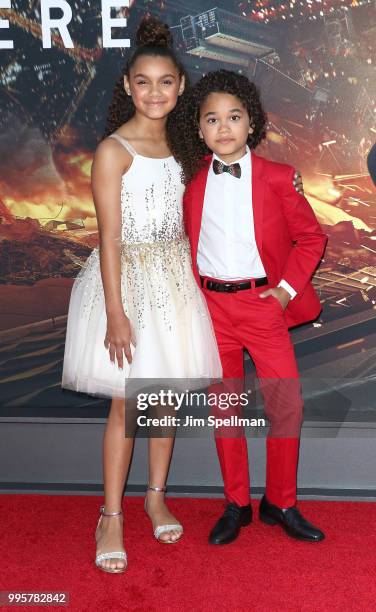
pixel 157 276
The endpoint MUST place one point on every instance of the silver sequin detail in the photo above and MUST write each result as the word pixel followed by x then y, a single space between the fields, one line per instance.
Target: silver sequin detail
pixel 154 249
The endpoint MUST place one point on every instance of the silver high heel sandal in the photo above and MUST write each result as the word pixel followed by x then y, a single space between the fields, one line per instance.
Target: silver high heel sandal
pixel 164 528
pixel 110 555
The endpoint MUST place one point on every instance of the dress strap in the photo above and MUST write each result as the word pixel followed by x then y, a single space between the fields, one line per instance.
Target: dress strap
pixel 125 144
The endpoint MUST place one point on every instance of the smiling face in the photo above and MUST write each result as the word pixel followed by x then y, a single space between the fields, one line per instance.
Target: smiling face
pixel 225 126
pixel 154 83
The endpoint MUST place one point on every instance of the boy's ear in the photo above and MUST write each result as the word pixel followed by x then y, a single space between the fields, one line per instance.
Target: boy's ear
pixel 126 86
pixel 200 134
pixel 251 129
pixel 182 85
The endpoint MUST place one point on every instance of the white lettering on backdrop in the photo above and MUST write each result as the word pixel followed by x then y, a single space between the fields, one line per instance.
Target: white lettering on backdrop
pixel 4 23
pixel 61 24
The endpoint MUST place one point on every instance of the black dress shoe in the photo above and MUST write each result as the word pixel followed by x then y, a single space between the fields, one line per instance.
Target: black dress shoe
pixel 291 520
pixel 228 527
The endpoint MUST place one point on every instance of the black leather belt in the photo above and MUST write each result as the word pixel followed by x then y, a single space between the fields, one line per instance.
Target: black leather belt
pixel 232 287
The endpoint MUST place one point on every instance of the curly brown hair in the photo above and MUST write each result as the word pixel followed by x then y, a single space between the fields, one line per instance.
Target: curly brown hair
pixel 153 38
pixel 186 145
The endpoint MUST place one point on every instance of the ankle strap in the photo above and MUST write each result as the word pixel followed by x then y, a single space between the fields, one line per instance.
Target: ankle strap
pixel 156 489
pixel 101 510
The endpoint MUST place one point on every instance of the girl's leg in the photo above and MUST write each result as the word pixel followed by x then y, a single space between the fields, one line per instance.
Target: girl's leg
pixel 117 453
pixel 160 451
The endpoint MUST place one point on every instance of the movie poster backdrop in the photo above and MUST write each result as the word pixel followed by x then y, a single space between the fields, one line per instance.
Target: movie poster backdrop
pixel 315 64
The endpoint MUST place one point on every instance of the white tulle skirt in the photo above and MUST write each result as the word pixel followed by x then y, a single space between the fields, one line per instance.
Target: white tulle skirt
pixel 171 325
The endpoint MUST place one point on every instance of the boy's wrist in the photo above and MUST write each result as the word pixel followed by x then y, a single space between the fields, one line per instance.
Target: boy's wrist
pixel 285 285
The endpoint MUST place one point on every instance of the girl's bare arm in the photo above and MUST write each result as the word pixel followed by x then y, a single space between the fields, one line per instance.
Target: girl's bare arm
pixel 110 163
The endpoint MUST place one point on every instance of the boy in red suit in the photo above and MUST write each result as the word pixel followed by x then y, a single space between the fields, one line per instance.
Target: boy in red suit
pixel 255 244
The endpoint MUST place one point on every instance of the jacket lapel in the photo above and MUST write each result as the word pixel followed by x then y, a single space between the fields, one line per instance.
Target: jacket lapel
pixel 197 205
pixel 258 192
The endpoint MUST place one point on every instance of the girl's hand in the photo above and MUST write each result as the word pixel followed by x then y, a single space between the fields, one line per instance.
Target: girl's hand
pixel 118 338
pixel 298 183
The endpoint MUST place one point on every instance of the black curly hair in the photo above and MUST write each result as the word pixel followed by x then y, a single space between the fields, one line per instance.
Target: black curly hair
pixel 186 145
pixel 153 38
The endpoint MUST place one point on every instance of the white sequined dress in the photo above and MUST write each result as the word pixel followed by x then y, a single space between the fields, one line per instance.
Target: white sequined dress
pixel 173 333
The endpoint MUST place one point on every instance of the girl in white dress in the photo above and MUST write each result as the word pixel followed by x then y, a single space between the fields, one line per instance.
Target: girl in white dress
pixel 136 311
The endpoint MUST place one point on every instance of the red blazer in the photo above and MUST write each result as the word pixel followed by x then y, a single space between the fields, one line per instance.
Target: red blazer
pixel 289 238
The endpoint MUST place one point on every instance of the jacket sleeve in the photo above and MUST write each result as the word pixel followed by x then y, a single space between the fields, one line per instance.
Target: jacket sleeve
pixel 308 239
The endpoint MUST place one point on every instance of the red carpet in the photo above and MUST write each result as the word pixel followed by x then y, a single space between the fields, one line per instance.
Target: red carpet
pixel 47 545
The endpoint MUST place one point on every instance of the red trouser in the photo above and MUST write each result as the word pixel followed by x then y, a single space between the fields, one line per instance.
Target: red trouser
pixel 244 320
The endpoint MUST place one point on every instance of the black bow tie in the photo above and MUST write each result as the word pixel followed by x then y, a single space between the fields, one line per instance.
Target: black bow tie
pixel 233 169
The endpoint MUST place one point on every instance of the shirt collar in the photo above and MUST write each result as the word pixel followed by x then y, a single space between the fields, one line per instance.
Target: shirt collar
pixel 240 161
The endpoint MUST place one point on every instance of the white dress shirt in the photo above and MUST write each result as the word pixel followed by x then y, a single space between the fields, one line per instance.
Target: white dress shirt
pixel 227 248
